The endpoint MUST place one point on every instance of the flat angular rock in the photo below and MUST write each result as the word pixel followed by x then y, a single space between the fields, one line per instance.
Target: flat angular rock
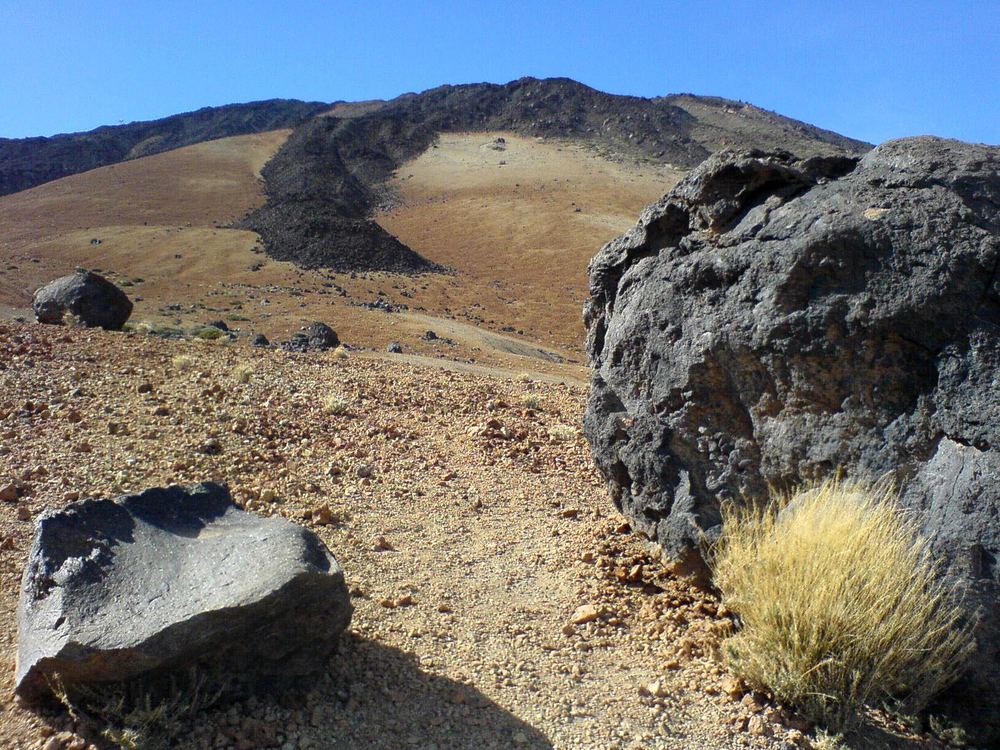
pixel 90 298
pixel 173 578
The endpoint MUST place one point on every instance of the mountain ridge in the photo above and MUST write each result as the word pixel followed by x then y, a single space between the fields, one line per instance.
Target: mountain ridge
pixel 324 182
pixel 28 162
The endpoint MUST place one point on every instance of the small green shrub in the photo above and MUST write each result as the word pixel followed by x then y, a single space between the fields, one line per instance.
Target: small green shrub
pixel 839 603
pixel 209 333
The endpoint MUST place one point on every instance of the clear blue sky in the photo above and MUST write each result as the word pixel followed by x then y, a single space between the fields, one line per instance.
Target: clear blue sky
pixel 872 70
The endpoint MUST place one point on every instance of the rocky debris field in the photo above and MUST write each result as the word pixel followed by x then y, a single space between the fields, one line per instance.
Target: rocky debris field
pixel 499 599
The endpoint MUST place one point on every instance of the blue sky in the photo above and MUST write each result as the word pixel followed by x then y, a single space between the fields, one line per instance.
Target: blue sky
pixel 872 70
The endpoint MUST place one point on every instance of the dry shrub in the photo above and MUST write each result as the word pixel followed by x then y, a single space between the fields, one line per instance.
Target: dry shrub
pixel 531 401
pixel 562 433
pixel 335 405
pixel 183 362
pixel 839 603
pixel 242 372
pixel 340 353
pixel 140 714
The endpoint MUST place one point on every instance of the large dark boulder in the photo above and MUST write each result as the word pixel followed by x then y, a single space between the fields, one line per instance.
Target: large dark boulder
pixel 315 337
pixel 91 299
pixel 175 578
pixel 772 321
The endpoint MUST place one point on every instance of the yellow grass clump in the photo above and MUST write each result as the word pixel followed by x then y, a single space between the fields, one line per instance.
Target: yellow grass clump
pixel 182 362
pixel 242 372
pixel 335 405
pixel 839 603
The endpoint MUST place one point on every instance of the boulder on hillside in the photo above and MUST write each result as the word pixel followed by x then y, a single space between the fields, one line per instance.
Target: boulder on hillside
pixel 771 321
pixel 89 298
pixel 315 337
pixel 173 578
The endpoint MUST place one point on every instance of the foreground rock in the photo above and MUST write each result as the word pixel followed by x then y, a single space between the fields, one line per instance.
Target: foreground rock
pixel 172 578
pixel 771 321
pixel 90 299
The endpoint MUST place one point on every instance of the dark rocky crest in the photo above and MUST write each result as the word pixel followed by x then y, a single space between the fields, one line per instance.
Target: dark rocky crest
pixel 323 184
pixel 27 162
pixel 774 320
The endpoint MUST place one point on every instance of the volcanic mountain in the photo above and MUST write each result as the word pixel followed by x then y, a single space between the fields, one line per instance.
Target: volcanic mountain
pixel 471 210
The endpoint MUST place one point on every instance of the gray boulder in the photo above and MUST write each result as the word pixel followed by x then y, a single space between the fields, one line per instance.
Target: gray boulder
pixel 772 320
pixel 92 299
pixel 174 578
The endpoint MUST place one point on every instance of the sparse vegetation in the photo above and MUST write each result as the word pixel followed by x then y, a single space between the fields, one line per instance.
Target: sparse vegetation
pixel 182 362
pixel 242 372
pixel 137 715
pixel 336 405
pixel 71 320
pixel 562 433
pixel 340 353
pixel 209 333
pixel 839 603
pixel 531 401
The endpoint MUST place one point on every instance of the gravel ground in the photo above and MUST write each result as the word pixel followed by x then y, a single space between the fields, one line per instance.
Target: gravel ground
pixel 500 600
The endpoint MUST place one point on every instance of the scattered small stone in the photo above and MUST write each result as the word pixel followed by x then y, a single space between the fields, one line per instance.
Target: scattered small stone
pixel 586 613
pixel 145 388
pixel 383 545
pixel 211 447
pixel 758 727
pixel 8 493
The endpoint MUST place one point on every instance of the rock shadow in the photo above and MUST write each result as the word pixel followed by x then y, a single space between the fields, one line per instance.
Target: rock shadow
pixel 373 697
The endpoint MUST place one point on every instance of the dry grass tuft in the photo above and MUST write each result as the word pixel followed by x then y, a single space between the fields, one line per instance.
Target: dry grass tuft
pixel 336 405
pixel 183 362
pixel 562 433
pixel 242 372
pixel 340 353
pixel 839 603
pixel 531 401
pixel 137 715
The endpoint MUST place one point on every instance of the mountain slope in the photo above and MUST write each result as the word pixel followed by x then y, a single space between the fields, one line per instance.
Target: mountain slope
pixel 323 184
pixel 27 162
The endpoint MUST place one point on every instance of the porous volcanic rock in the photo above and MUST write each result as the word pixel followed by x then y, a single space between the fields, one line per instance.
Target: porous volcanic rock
pixel 316 337
pixel 773 320
pixel 91 298
pixel 173 578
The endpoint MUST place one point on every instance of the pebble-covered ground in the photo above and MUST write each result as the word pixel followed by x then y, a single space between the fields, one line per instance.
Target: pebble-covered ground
pixel 500 599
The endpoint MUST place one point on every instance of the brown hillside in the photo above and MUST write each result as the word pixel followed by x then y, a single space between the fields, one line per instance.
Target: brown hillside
pixel 512 233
